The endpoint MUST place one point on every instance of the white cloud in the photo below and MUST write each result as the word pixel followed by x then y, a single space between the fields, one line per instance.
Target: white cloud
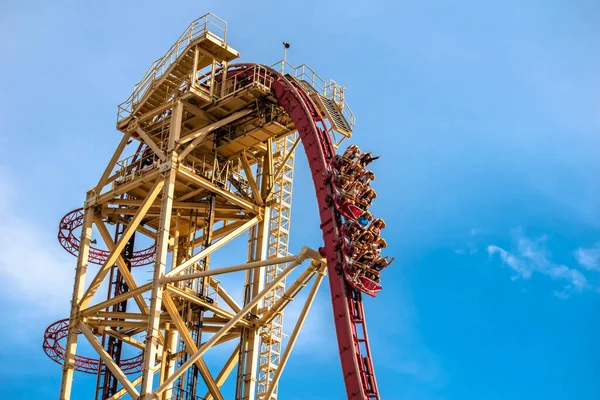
pixel 33 268
pixel 588 258
pixel 36 273
pixel 529 256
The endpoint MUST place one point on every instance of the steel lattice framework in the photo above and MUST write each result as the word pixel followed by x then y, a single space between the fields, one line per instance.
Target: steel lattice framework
pixel 279 235
pixel 207 155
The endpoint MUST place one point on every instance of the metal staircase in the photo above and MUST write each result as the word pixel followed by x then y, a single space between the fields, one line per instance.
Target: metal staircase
pixel 332 111
pixel 203 42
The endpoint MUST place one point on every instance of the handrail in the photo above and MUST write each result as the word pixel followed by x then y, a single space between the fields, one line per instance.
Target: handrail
pixel 205 25
pixel 331 90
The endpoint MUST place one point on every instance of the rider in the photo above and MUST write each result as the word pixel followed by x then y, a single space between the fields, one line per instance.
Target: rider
pixel 364 219
pixel 376 226
pixel 366 159
pixel 381 263
pixel 366 177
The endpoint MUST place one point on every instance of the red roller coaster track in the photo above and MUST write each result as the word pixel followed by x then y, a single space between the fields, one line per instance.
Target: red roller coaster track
pixel 350 325
pixel 66 237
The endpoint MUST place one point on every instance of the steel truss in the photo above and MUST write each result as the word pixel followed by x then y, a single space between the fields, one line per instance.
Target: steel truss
pixel 214 159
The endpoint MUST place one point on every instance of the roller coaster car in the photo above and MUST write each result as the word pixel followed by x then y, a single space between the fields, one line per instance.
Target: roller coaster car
pixel 359 281
pixel 342 180
pixel 340 163
pixel 358 274
pixel 348 209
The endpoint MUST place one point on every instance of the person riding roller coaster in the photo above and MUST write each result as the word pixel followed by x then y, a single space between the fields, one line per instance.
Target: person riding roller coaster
pixel 361 242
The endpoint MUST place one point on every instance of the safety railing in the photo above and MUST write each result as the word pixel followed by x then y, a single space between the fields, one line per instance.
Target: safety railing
pixel 208 24
pixel 258 77
pixel 135 165
pixel 335 92
pixel 330 90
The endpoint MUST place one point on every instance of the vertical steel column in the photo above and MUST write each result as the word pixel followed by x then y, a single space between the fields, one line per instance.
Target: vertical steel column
pixel 279 235
pixel 78 291
pixel 255 278
pixel 172 335
pixel 162 248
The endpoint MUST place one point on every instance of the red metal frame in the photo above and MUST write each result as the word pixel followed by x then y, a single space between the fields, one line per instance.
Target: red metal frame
pixel 52 347
pixel 353 341
pixel 67 239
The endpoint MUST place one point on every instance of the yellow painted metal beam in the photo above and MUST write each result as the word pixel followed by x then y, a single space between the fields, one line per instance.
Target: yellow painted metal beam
pixel 116 252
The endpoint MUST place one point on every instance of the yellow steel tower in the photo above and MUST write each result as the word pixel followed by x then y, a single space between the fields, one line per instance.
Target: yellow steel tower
pixel 207 154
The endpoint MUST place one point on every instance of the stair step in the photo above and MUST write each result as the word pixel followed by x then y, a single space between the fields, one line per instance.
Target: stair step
pixel 333 113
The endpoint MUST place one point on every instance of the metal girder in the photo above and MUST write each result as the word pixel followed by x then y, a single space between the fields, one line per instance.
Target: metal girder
pixel 251 180
pixel 78 291
pixel 113 161
pixel 168 278
pixel 292 341
pixel 91 310
pixel 192 297
pixel 116 252
pixel 226 194
pixel 125 187
pixel 226 370
pixel 162 247
pixel 148 140
pixel 207 251
pixel 227 327
pixel 190 346
pixel 139 299
pixel 109 362
pixel 224 295
pixel 199 135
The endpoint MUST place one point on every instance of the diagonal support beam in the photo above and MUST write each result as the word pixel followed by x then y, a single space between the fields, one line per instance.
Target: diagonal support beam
pixel 251 180
pixel 210 249
pixel 282 166
pixel 148 140
pixel 191 297
pixel 287 296
pixel 226 370
pixel 123 392
pixel 190 346
pixel 227 327
pixel 139 299
pixel 226 194
pixel 113 161
pixel 224 295
pixel 116 252
pixel 301 318
pixel 110 363
pixel 117 299
pixel 226 270
pixel 124 338
pixel 198 135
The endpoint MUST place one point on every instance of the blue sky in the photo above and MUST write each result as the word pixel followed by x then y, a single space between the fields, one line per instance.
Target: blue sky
pixel 487 116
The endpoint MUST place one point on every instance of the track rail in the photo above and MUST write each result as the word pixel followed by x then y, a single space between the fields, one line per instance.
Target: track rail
pixel 52 347
pixel 69 241
pixel 350 325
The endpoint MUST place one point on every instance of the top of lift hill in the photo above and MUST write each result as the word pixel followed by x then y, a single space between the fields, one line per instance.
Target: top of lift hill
pixel 167 75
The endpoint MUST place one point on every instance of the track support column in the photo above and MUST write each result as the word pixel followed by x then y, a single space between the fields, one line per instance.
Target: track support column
pixel 250 342
pixel 162 248
pixel 78 291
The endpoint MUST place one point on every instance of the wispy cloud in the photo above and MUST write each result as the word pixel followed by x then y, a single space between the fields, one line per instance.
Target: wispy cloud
pixel 36 275
pixel 589 258
pixel 471 247
pixel 33 268
pixel 528 256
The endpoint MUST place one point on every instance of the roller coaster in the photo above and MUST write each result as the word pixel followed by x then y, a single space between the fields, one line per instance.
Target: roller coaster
pixel 207 154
